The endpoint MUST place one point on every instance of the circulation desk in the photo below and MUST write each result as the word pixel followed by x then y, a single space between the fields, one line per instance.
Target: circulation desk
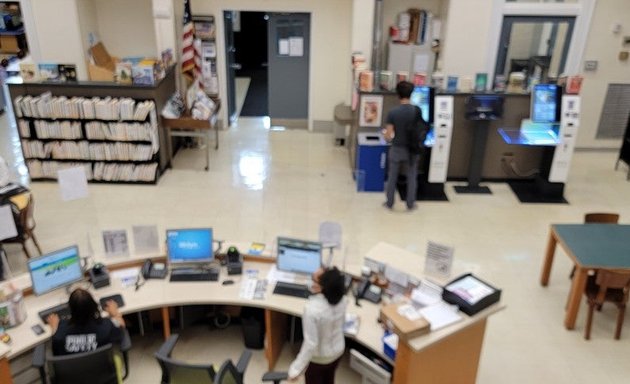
pixel 426 359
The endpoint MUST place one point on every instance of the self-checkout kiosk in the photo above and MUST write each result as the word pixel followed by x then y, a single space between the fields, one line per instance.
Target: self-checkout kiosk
pixel 440 144
pixel 553 124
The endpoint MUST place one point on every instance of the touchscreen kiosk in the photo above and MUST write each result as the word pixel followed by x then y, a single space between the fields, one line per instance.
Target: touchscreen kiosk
pixel 545 103
pixel 423 97
pixel 55 270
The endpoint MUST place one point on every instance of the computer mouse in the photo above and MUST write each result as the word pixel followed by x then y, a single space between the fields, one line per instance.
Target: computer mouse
pixel 227 282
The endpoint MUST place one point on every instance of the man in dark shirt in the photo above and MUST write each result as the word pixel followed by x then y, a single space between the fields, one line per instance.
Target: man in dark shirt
pixel 406 131
pixel 86 330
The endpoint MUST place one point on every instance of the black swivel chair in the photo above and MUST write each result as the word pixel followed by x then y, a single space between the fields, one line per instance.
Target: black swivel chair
pixel 94 367
pixel 276 377
pixel 179 372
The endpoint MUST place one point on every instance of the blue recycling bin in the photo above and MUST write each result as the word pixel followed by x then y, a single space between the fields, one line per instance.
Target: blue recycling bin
pixel 371 162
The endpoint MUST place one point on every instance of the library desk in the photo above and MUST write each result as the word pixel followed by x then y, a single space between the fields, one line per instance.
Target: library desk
pixel 186 126
pixel 426 359
pixel 591 247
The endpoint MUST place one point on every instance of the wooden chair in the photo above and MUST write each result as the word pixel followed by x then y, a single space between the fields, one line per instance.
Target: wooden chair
pixel 26 227
pixel 601 218
pixel 607 285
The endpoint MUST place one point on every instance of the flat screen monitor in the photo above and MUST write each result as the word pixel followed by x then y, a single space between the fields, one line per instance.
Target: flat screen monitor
pixel 423 96
pixel 545 106
pixel 484 107
pixel 191 245
pixel 300 256
pixel 55 270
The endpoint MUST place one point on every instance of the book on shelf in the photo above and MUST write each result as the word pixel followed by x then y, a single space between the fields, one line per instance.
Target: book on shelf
pixel 29 72
pixel 124 72
pixel 386 80
pixel 451 83
pixel 48 71
pixel 481 82
pixel 402 76
pixel 366 81
pixel 466 84
pixel 67 72
pixel 419 78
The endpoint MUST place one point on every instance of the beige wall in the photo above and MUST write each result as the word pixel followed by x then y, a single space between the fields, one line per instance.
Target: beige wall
pixel 465 48
pixel 330 46
pixel 604 46
pixel 88 23
pixel 126 27
pixel 59 37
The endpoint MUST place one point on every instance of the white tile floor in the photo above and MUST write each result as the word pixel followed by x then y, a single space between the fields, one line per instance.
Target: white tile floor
pixel 263 183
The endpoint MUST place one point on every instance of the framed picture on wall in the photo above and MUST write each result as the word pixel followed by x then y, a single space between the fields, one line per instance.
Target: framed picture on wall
pixel 371 110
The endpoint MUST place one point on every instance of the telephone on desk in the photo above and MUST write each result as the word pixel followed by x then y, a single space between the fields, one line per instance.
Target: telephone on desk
pixel 366 290
pixel 151 270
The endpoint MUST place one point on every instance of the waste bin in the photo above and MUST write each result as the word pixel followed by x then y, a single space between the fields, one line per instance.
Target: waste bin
pixel 371 160
pixel 253 322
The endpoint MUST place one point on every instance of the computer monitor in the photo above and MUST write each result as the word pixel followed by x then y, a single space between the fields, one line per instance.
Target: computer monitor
pixel 484 107
pixel 299 256
pixel 423 96
pixel 190 245
pixel 55 270
pixel 545 103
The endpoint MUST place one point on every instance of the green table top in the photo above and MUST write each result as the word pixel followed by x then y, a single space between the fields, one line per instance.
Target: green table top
pixel 597 245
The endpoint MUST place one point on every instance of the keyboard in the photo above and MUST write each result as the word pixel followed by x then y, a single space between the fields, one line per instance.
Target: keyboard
pixel 194 274
pixel 291 289
pixel 62 310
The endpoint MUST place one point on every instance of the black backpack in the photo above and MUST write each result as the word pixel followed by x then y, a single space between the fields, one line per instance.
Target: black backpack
pixel 417 133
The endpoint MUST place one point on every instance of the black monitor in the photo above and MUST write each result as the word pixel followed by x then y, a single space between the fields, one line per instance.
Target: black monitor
pixel 299 256
pixel 484 107
pixel 190 245
pixel 55 270
pixel 545 103
pixel 423 96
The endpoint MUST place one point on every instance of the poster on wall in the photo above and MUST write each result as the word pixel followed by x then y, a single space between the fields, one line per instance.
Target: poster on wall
pixel 371 110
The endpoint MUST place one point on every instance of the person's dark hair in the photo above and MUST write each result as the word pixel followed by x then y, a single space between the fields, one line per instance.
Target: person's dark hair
pixel 404 89
pixel 332 283
pixel 83 308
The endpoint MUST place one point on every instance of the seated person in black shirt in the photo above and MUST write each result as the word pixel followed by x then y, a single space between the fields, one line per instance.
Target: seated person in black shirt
pixel 86 330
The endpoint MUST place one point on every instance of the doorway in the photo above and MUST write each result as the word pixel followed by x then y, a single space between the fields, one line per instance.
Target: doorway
pixel 267 59
pixel 246 53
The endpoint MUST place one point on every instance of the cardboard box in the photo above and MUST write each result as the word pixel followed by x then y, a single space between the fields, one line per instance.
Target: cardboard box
pixel 405 329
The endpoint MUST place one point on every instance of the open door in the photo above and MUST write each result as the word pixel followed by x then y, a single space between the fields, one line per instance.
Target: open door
pixel 288 57
pixel 232 66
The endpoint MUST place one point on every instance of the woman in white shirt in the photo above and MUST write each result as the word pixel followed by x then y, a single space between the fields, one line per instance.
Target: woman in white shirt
pixel 322 326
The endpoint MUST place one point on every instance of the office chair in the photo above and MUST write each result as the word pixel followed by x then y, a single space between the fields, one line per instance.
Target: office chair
pixel 601 218
pixel 179 372
pixel 101 366
pixel 26 225
pixel 275 377
pixel 607 285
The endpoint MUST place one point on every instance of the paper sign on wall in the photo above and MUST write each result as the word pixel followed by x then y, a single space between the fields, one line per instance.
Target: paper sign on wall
pixel 145 238
pixel 439 259
pixel 283 46
pixel 72 183
pixel 116 243
pixel 296 46
pixel 7 223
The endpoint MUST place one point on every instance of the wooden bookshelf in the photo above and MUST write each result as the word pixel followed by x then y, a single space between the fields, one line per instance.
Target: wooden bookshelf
pixel 113 149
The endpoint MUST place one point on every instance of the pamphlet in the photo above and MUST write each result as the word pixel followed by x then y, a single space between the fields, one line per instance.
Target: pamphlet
pixel 351 324
pixel 256 249
pixel 439 259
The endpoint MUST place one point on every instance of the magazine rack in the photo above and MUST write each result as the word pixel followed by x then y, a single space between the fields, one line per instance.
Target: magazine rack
pixel 186 126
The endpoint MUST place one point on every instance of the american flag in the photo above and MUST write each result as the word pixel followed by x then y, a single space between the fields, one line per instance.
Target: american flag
pixel 191 48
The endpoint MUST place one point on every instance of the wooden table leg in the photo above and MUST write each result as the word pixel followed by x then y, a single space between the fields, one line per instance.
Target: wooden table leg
pixel 575 296
pixel 275 335
pixel 551 249
pixel 166 323
pixel 5 371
